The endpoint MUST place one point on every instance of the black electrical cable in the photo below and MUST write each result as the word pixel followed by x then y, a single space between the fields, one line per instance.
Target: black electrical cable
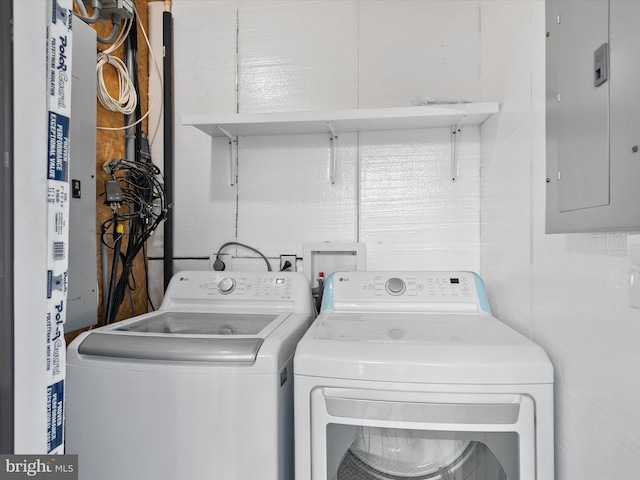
pixel 104 228
pixel 133 310
pixel 146 278
pixel 142 209
pixel 117 235
pixel 218 259
pixel 136 198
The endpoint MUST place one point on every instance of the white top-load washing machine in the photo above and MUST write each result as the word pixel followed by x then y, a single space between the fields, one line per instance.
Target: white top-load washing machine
pixel 200 389
pixel 408 375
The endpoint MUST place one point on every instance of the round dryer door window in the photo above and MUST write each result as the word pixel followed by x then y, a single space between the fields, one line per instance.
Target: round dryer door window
pixel 393 454
pixel 405 452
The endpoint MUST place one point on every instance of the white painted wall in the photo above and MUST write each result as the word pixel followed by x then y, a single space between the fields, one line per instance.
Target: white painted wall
pixel 392 191
pixel 569 292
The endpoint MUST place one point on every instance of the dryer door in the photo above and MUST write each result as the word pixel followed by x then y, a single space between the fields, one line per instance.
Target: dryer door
pixel 367 435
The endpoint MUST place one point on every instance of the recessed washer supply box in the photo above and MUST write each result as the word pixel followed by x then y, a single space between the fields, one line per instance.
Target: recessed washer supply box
pixel 329 257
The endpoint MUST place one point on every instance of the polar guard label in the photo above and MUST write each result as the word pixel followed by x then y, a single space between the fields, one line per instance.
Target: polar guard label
pixel 55 415
pixel 58 148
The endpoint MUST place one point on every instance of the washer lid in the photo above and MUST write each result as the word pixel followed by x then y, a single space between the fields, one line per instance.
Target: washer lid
pixel 421 348
pixel 193 323
pixel 184 336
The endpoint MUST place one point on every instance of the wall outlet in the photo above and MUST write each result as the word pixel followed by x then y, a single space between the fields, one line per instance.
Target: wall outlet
pixel 225 257
pixel 291 259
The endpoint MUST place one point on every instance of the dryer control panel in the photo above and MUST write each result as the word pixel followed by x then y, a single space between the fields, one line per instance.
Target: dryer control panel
pixel 441 291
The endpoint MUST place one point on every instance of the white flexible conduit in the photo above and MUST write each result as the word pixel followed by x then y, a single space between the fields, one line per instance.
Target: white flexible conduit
pixel 126 90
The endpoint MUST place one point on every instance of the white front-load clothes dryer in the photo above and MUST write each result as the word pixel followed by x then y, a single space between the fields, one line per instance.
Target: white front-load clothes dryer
pixel 407 375
pixel 201 389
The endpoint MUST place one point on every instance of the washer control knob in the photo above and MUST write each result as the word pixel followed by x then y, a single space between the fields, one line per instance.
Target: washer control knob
pixel 395 286
pixel 226 286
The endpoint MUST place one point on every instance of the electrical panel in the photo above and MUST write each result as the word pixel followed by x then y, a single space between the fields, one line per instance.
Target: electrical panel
pixel 82 296
pixel 593 125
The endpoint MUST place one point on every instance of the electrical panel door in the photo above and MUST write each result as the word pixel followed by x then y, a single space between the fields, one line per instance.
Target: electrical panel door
pixel 82 296
pixel 582 107
pixel 592 124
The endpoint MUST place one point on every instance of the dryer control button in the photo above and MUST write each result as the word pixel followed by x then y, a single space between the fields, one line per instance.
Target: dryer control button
pixel 395 286
pixel 396 333
pixel 226 286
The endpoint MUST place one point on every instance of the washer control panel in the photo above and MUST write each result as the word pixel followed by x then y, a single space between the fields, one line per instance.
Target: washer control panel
pixel 419 288
pixel 241 285
pixel 244 286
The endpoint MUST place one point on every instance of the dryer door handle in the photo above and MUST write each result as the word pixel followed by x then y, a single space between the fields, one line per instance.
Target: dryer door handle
pixel 449 411
pixel 466 413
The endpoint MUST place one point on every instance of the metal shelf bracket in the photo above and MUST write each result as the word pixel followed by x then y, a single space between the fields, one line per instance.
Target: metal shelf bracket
pixel 233 155
pixel 456 133
pixel 333 138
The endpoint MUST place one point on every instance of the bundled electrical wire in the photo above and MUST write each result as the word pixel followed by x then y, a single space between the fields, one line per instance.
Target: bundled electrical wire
pixel 136 196
pixel 127 99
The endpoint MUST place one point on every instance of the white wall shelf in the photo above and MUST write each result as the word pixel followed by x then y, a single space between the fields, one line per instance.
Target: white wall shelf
pixel 334 122
pixel 360 120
